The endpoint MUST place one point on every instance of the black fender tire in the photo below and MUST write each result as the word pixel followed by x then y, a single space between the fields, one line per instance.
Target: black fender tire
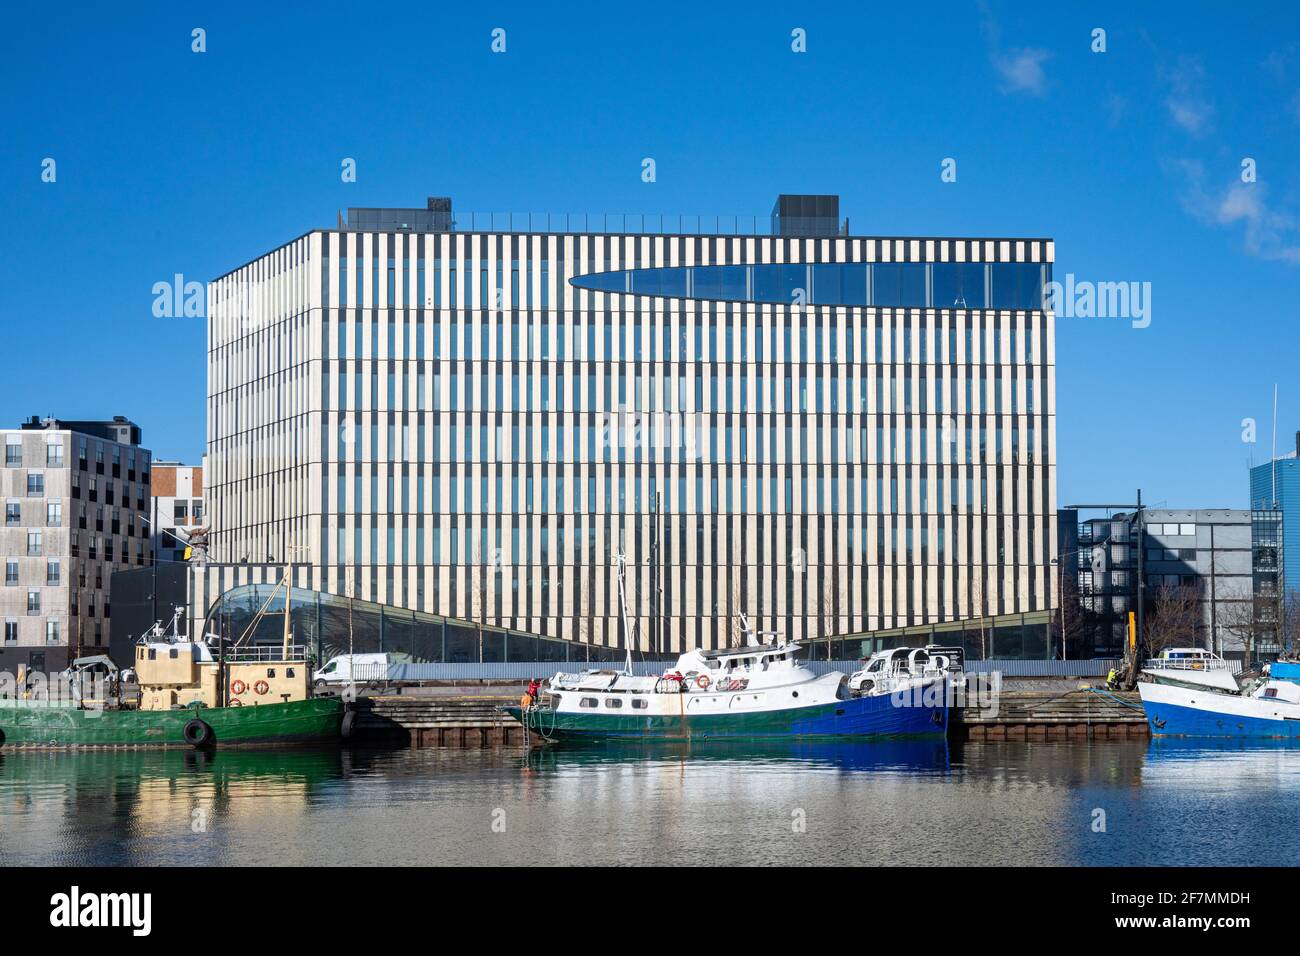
pixel 198 734
pixel 2 738
pixel 348 726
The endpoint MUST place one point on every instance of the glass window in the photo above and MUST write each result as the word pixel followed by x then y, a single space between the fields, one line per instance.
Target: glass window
pixel 898 284
pixel 666 282
pixel 843 284
pixel 959 284
pixel 720 282
pixel 780 283
pixel 599 281
pixel 1017 285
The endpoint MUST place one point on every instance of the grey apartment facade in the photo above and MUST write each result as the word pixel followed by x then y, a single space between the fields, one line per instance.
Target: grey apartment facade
pixel 76 496
pixel 1230 559
pixel 831 433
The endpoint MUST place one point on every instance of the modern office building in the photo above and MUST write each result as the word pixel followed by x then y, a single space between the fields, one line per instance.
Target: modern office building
pixel 832 433
pixel 1227 559
pixel 1276 484
pixel 76 495
pixel 177 508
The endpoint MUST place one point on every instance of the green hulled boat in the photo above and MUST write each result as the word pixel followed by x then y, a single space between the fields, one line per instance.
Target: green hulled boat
pixel 31 723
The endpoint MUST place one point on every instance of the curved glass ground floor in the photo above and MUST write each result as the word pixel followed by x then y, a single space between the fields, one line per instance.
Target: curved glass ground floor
pixel 328 625
pixel 1031 635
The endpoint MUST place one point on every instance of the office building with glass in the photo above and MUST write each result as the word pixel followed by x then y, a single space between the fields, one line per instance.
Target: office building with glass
pixel 832 433
pixel 1276 485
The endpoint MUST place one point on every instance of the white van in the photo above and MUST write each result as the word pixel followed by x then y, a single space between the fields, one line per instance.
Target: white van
pixel 350 668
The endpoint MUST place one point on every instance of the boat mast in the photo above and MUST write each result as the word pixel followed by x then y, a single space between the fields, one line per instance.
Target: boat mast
pixel 288 598
pixel 622 608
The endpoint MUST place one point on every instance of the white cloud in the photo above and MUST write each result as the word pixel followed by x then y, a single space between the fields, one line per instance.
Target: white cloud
pixel 1267 232
pixel 1022 70
pixel 1187 103
pixel 1191 115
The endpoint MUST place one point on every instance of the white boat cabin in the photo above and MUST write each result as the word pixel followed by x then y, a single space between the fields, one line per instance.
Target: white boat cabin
pixel 1193 666
pixel 890 670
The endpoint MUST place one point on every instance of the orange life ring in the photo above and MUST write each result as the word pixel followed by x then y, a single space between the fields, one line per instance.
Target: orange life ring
pixel 238 687
pixel 703 681
pixel 261 688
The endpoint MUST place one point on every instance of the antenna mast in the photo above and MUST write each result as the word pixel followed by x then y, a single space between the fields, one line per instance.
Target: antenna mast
pixel 1273 457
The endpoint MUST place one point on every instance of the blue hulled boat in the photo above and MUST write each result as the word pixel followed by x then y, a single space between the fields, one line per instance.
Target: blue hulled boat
pixel 1268 707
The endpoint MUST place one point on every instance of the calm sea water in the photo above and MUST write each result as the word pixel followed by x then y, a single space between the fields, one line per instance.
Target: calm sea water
pixel 1016 803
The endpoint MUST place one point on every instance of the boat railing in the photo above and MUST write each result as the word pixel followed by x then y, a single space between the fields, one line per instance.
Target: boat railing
pixel 266 652
pixel 1187 664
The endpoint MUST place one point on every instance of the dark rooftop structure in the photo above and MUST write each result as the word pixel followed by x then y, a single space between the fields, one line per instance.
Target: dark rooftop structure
pixel 118 429
pixel 796 215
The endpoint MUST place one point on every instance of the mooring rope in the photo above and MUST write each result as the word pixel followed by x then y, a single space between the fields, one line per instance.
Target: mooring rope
pixel 1118 700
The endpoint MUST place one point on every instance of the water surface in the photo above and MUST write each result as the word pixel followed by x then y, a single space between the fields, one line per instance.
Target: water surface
pixel 1159 802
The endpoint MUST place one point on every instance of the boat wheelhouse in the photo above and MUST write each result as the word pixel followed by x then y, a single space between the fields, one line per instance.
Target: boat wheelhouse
pixel 888 670
pixel 1191 667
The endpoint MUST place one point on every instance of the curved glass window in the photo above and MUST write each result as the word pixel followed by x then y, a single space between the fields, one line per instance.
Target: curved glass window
pixel 326 626
pixel 781 283
pixel 941 285
pixel 713 282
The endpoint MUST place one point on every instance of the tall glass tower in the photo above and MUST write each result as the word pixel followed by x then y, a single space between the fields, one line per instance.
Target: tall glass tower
pixel 1276 484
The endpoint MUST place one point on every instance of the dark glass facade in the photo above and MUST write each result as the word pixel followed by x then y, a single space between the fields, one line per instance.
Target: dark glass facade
pixel 940 285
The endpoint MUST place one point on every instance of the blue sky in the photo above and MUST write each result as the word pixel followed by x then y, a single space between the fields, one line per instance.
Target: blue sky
pixel 170 161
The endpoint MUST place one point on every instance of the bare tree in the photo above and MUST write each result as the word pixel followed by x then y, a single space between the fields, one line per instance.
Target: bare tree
pixel 977 599
pixel 737 606
pixel 1239 619
pixel 1288 626
pixel 584 609
pixel 1173 618
pixel 479 591
pixel 1072 624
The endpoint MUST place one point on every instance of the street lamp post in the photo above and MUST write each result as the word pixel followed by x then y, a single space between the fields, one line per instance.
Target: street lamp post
pixel 1059 561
